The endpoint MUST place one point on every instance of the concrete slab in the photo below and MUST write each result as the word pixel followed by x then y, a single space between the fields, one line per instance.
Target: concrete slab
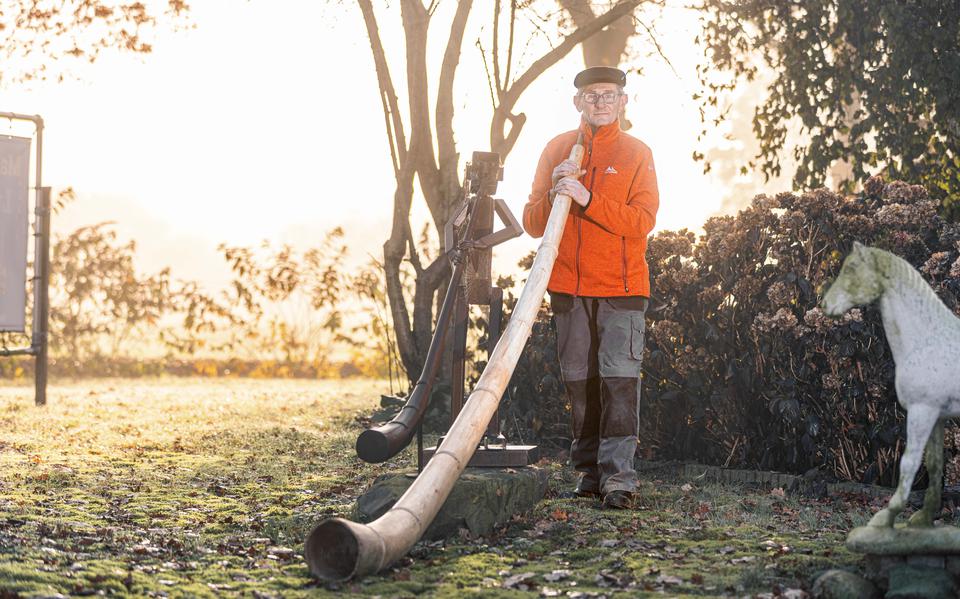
pixel 905 540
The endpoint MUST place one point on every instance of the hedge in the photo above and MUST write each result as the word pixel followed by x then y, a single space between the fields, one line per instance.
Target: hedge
pixel 742 369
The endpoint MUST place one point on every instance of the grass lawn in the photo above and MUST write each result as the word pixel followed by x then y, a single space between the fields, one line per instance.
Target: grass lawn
pixel 207 488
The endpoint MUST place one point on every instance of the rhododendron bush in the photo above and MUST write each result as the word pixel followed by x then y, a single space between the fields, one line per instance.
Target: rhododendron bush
pixel 742 367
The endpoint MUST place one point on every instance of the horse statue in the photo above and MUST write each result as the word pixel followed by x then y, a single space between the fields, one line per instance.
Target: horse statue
pixel 924 337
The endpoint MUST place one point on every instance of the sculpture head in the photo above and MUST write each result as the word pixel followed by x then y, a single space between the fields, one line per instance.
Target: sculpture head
pixel 859 282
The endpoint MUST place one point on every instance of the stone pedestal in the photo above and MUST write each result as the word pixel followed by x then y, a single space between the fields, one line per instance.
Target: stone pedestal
pixel 906 562
pixel 481 499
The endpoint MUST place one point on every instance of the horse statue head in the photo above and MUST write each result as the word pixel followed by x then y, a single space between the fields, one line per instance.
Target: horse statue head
pixel 860 282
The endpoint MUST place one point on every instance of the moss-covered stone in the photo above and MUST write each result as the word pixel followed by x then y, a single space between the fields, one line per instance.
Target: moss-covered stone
pixel 841 584
pixel 918 582
pixel 481 499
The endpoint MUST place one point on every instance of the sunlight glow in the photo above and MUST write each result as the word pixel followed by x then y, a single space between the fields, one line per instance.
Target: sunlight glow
pixel 259 123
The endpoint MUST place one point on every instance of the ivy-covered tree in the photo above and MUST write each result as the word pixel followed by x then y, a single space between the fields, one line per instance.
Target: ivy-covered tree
pixel 874 84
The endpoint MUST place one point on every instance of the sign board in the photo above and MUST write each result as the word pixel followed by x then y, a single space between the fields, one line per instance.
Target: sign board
pixel 14 187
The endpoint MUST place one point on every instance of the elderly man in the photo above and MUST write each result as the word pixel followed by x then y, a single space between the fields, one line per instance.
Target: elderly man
pixel 600 282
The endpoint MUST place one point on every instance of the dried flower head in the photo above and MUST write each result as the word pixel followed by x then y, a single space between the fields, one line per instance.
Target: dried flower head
pixel 918 215
pixel 765 202
pixel 783 321
pixel 903 193
pixel 873 187
pixel 781 294
pixel 937 264
pixel 816 319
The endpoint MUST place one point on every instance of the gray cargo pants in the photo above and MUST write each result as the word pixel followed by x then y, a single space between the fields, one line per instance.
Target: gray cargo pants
pixel 600 343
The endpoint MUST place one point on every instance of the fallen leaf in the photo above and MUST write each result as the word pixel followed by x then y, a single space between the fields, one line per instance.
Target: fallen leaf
pixel 702 510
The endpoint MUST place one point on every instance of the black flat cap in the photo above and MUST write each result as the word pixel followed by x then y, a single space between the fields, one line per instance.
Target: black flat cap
pixel 600 75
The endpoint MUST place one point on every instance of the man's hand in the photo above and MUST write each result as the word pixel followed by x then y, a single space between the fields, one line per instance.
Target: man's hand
pixel 566 168
pixel 573 188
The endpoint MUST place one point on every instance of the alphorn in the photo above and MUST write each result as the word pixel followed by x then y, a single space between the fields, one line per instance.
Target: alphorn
pixel 338 549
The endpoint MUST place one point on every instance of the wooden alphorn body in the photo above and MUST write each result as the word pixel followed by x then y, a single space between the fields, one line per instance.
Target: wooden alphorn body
pixel 338 549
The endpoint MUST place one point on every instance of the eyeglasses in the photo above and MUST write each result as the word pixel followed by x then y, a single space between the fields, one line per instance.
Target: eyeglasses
pixel 608 97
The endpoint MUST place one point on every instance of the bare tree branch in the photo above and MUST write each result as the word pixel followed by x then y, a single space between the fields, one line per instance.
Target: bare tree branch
pixel 421 157
pixel 412 250
pixel 496 48
pixel 396 138
pixel 395 247
pixel 448 69
pixel 393 252
pixel 656 44
pixel 510 38
pixel 486 69
pixel 415 24
pixel 391 139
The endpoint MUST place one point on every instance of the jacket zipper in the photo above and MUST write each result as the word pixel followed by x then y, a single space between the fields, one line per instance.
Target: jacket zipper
pixel 623 263
pixel 580 220
pixel 593 178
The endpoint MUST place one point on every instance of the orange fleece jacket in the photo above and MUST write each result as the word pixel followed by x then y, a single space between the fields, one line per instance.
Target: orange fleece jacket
pixel 602 251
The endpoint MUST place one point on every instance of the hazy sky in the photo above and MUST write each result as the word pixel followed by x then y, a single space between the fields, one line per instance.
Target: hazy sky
pixel 263 122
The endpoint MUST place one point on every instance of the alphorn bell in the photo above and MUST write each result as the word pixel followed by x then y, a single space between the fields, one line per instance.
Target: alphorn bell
pixel 338 549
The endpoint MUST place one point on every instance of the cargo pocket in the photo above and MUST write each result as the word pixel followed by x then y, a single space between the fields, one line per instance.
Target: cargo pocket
pixel 638 326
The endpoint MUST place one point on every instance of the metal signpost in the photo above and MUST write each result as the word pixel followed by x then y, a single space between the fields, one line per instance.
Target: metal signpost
pixel 14 227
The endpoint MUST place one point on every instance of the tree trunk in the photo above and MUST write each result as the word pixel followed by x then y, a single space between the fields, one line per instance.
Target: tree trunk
pixel 437 169
pixel 607 47
pixel 502 141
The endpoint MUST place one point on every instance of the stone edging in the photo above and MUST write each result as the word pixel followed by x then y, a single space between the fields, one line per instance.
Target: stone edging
pixel 695 471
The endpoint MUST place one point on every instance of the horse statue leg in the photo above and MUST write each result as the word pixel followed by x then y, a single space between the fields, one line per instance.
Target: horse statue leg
pixel 920 422
pixel 933 459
